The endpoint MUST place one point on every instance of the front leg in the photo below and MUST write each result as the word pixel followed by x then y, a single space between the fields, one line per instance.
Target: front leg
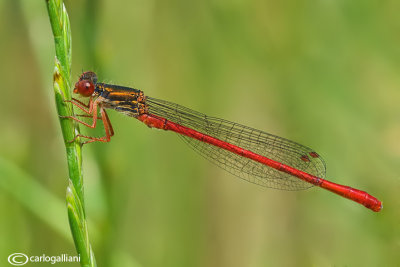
pixel 87 108
pixel 92 111
pixel 74 100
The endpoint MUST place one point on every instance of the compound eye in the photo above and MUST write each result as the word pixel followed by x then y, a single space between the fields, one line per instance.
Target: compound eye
pixel 84 88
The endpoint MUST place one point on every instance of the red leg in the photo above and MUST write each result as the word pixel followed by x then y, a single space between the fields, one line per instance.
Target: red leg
pixel 109 124
pixel 107 127
pixel 76 101
pixel 92 110
pixel 82 106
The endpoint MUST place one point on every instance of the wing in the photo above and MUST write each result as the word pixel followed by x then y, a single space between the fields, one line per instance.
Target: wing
pixel 259 142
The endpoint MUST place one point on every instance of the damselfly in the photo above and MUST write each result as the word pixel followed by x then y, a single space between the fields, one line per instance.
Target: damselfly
pixel 250 154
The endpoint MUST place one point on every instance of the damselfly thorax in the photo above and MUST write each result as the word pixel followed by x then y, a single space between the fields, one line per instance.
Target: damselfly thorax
pixel 126 100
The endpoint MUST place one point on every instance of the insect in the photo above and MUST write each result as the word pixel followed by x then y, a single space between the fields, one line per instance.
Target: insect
pixel 250 154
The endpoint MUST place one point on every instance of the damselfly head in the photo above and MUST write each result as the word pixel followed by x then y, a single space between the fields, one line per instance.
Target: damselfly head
pixel 86 84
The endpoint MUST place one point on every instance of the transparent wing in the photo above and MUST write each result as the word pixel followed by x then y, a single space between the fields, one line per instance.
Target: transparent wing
pixel 262 143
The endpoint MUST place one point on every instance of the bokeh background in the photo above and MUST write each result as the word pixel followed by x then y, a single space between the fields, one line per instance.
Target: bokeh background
pixel 323 73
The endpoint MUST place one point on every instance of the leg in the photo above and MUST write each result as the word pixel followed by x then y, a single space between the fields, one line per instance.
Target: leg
pixel 93 112
pixel 76 101
pixel 109 123
pixel 82 106
pixel 107 127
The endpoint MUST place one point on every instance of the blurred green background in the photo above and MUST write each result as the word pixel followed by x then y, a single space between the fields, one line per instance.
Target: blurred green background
pixel 322 73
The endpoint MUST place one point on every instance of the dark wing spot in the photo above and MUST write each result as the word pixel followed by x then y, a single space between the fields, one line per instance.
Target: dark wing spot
pixel 305 158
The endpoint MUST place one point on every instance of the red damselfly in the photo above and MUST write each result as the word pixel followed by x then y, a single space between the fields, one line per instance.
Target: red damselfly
pixel 250 154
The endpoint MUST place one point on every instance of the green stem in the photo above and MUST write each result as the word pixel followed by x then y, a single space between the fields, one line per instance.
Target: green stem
pixel 61 81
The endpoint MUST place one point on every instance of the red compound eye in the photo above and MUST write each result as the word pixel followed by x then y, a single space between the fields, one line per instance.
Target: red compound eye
pixel 84 88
